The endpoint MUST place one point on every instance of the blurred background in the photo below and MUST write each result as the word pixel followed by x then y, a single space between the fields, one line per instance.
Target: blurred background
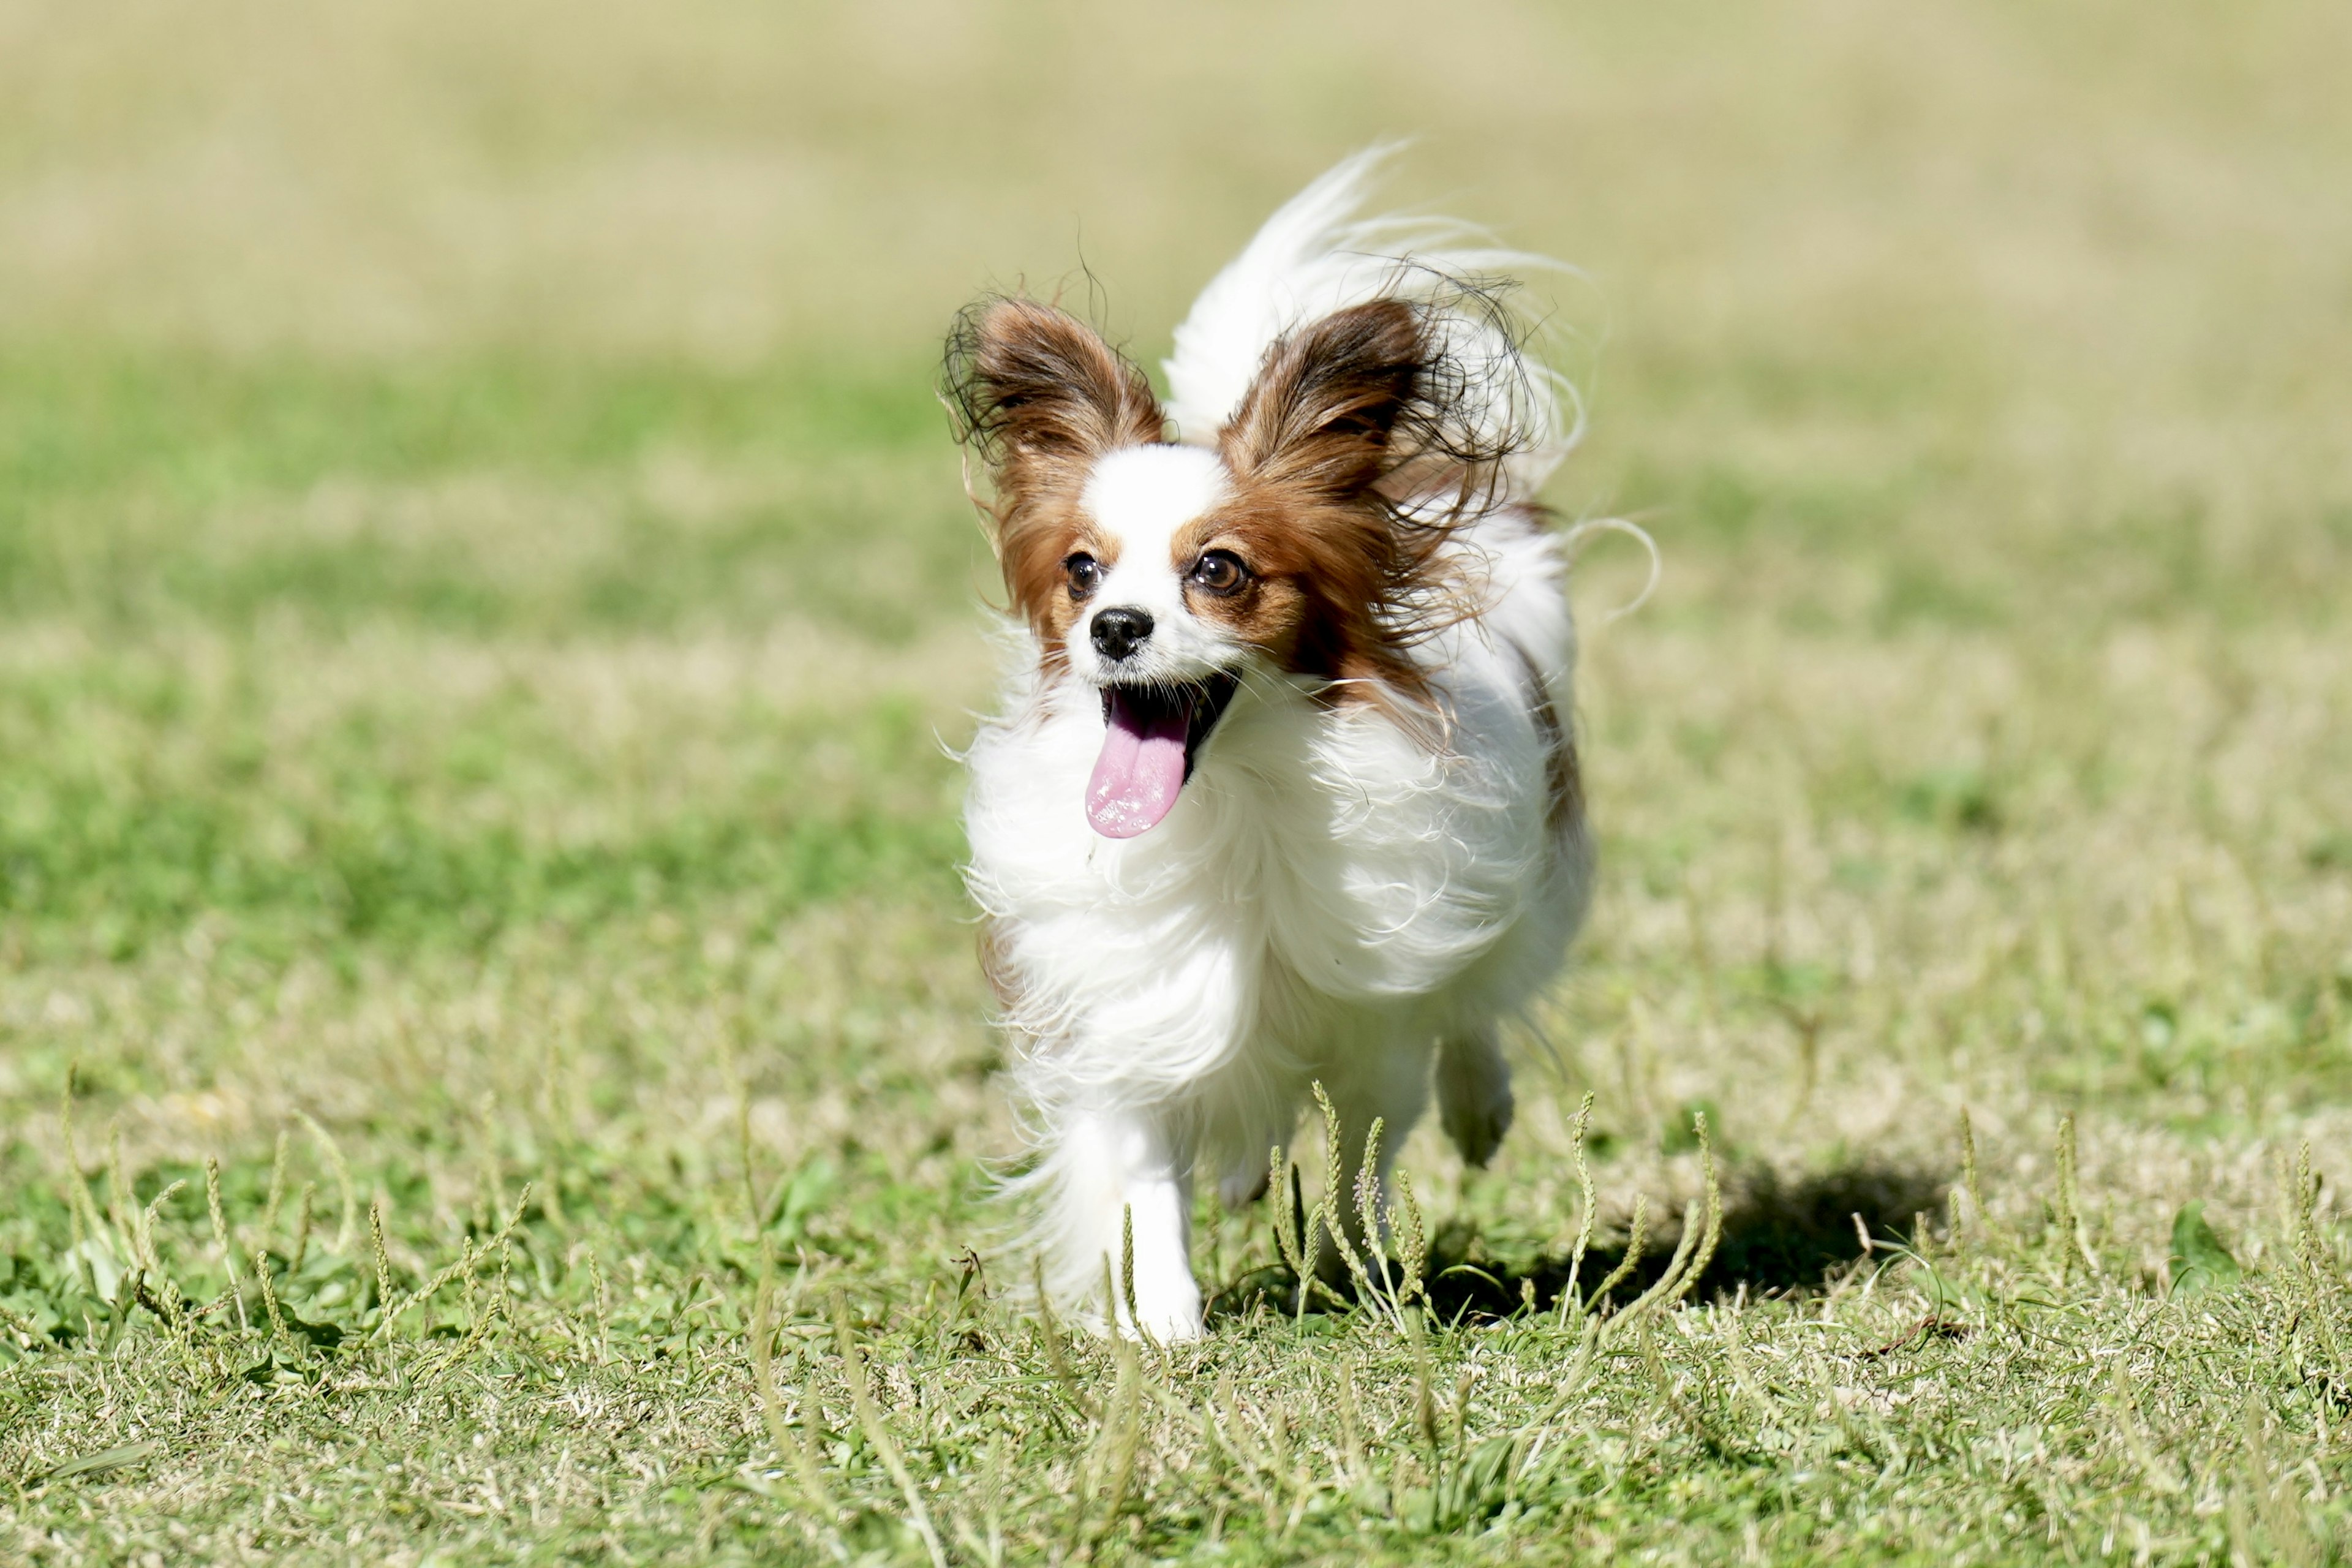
pixel 486 596
pixel 1909 276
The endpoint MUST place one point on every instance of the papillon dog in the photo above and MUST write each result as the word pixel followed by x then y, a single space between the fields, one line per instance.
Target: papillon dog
pixel 1283 789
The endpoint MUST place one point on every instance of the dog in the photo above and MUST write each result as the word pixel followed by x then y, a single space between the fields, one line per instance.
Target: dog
pixel 1284 788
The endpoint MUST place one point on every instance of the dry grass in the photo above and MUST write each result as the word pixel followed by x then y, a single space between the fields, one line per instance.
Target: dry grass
pixel 483 591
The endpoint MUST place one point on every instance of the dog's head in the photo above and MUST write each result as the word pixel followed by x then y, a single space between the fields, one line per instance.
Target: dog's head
pixel 1307 541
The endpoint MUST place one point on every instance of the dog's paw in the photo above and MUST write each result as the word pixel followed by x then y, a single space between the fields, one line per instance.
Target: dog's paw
pixel 1168 1315
pixel 1476 1116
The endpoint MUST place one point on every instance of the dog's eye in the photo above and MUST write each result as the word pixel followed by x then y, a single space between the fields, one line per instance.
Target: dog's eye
pixel 1218 572
pixel 1085 573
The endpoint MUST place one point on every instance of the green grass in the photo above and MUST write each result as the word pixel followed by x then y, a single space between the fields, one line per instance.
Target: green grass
pixel 476 704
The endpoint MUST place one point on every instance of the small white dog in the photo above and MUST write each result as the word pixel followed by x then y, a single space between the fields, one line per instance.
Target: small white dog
pixel 1284 788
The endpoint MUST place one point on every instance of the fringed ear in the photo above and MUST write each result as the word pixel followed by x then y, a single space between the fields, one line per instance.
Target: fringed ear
pixel 1322 414
pixel 1420 404
pixel 1040 395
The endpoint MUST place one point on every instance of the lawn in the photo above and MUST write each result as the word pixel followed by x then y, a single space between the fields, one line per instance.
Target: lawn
pixel 493 1065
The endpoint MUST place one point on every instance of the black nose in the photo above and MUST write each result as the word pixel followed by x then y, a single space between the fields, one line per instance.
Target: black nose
pixel 1118 633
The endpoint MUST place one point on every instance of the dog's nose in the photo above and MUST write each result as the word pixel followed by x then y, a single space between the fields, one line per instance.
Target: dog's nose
pixel 1118 633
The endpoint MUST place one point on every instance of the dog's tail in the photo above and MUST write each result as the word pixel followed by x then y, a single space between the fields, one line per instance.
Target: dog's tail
pixel 1317 255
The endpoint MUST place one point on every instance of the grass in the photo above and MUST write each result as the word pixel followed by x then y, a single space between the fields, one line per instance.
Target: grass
pixel 477 680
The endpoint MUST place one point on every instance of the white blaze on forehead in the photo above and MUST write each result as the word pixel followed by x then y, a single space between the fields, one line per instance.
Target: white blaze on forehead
pixel 1143 495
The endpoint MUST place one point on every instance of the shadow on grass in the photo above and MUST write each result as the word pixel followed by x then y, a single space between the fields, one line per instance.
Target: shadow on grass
pixel 1778 1237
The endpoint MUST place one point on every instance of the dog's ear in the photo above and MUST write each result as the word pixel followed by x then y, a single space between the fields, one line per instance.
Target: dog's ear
pixel 1041 396
pixel 1324 409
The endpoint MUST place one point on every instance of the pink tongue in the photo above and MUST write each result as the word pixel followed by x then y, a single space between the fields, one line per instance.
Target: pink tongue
pixel 1139 773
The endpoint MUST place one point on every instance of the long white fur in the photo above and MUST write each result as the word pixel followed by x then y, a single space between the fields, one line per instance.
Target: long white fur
pixel 1332 898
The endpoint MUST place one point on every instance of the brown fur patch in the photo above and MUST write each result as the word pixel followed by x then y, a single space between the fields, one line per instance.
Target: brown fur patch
pixel 1309 448
pixel 1563 775
pixel 1043 397
pixel 1050 535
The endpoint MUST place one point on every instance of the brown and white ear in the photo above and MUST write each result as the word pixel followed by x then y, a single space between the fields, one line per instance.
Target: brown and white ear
pixel 1041 396
pixel 1324 411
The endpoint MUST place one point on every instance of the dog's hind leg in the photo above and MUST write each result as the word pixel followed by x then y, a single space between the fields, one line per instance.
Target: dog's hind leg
pixel 1474 1092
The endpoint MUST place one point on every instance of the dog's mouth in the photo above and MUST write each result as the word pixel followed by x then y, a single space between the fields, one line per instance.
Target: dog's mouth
pixel 1152 737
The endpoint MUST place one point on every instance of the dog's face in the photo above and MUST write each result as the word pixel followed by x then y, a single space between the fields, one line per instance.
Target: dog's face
pixel 1152 587
pixel 1163 575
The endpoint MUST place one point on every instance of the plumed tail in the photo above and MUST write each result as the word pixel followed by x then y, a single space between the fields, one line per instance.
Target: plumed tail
pixel 1315 256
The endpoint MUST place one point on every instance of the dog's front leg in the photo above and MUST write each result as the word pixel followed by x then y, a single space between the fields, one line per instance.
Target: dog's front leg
pixel 1109 1168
